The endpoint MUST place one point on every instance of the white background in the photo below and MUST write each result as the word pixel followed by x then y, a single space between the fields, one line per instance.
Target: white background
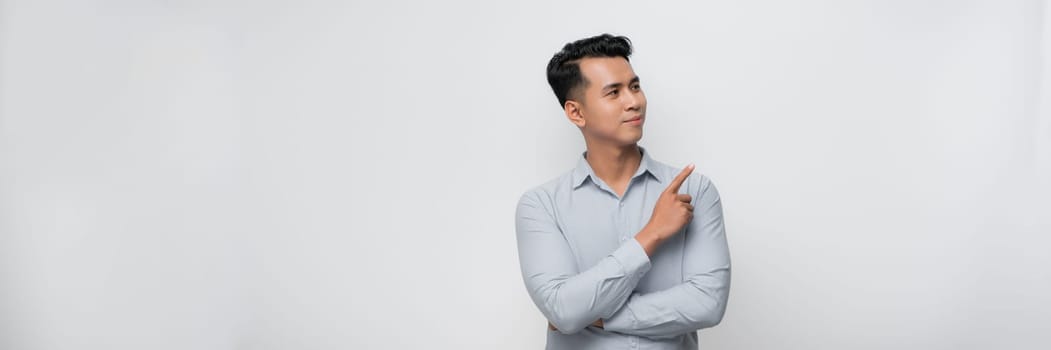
pixel 343 175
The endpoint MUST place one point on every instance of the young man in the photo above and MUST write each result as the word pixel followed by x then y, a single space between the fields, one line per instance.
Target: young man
pixel 623 251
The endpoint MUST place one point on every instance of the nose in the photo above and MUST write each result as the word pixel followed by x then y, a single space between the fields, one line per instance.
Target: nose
pixel 634 101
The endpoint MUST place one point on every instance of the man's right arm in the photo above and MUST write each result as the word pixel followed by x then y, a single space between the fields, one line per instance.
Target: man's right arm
pixel 571 299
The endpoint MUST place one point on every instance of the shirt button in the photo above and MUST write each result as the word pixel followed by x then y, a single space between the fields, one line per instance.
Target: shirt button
pixel 621 205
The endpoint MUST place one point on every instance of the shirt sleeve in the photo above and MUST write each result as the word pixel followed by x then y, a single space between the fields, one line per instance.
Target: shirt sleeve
pixel 569 298
pixel 700 301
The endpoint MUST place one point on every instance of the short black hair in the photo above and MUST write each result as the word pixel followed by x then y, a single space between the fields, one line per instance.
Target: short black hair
pixel 563 71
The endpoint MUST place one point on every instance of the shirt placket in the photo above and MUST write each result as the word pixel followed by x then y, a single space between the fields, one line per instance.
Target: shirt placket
pixel 625 233
pixel 622 219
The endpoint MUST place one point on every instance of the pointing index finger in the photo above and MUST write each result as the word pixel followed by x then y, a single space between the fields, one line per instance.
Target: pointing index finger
pixel 677 182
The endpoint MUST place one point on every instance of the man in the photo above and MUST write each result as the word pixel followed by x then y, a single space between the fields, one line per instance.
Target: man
pixel 622 252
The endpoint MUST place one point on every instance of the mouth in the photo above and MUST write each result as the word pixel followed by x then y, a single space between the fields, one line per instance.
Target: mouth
pixel 637 120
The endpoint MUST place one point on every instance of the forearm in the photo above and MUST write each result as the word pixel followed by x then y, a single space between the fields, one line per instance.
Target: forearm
pixel 571 303
pixel 597 323
pixel 693 305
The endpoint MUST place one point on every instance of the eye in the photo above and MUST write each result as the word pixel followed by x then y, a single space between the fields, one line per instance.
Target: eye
pixel 636 87
pixel 612 93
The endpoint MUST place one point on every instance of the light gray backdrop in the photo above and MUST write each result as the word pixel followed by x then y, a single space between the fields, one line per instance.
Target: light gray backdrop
pixel 343 175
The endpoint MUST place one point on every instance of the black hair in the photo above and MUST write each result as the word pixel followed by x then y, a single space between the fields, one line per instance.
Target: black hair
pixel 563 71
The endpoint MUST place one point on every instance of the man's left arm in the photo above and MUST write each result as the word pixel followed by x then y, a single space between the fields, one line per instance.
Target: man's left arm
pixel 700 301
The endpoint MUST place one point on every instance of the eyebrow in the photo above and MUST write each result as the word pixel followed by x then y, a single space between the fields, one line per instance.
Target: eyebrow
pixel 617 85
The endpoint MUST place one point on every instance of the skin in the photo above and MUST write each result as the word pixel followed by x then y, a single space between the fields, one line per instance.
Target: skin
pixel 611 96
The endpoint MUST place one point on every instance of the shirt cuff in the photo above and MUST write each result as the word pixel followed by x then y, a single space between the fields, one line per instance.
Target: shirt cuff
pixel 632 258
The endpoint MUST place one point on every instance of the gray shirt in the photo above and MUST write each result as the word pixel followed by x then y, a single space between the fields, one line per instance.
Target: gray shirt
pixel 580 261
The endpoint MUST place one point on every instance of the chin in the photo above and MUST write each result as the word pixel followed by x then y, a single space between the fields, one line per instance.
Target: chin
pixel 634 136
pixel 626 141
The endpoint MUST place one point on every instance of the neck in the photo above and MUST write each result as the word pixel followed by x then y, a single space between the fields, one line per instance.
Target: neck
pixel 614 164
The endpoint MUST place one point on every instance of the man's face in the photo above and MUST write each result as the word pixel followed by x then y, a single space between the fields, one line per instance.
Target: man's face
pixel 612 107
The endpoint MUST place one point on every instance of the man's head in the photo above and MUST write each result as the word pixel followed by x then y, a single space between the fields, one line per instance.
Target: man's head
pixel 598 89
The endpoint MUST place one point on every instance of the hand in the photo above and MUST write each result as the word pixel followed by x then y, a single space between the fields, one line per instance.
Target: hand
pixel 672 211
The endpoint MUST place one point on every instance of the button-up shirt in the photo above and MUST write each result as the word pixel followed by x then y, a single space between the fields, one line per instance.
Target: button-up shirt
pixel 580 261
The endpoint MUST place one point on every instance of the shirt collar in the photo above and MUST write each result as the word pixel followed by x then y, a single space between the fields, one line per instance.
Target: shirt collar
pixel 583 169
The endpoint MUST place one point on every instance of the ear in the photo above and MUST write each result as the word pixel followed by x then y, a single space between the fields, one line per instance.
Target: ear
pixel 574 113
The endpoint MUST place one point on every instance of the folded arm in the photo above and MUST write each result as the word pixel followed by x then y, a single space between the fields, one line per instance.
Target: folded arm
pixel 700 301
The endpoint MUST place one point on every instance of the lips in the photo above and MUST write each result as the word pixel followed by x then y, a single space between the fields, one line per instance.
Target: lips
pixel 635 119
